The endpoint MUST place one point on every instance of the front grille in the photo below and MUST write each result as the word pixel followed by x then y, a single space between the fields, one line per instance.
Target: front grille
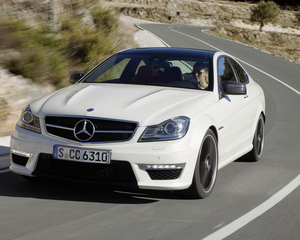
pixel 117 172
pixel 164 174
pixel 104 130
pixel 20 160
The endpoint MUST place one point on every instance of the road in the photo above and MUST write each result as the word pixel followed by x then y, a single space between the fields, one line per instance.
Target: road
pixel 250 200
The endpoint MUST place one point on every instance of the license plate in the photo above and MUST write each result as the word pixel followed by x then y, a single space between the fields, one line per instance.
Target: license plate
pixel 81 155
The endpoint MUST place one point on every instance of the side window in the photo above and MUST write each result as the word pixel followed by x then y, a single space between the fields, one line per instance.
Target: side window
pixel 225 71
pixel 142 63
pixel 242 75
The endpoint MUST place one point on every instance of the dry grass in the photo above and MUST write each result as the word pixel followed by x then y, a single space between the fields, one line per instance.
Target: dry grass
pixel 280 44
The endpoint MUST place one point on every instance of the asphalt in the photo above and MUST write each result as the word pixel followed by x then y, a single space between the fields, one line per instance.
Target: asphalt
pixel 4 152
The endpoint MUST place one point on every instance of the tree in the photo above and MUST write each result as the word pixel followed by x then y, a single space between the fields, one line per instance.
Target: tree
pixel 264 13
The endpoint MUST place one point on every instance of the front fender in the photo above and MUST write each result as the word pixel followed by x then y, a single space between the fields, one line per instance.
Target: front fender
pixel 199 126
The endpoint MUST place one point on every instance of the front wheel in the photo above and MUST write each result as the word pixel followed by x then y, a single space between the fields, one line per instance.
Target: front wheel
pixel 206 168
pixel 258 141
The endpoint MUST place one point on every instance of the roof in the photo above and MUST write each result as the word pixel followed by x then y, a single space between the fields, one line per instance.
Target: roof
pixel 171 52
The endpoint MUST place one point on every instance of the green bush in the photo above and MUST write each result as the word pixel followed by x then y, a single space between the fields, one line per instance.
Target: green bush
pixel 264 12
pixel 38 51
pixel 49 56
pixel 104 20
pixel 84 45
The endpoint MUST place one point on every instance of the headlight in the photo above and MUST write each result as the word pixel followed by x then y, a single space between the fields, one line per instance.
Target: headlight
pixel 171 129
pixel 29 121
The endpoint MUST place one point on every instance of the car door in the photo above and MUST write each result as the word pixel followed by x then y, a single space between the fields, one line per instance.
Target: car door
pixel 235 126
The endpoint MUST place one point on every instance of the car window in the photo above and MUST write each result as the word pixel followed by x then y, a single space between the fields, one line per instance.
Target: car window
pixel 242 75
pixel 225 71
pixel 186 67
pixel 142 63
pixel 159 70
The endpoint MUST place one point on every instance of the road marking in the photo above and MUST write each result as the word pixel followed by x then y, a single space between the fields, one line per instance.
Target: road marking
pixel 167 45
pixel 256 212
pixel 266 52
pixel 269 75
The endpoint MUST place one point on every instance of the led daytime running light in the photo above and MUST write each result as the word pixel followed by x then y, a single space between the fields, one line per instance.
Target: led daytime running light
pixel 161 166
pixel 21 153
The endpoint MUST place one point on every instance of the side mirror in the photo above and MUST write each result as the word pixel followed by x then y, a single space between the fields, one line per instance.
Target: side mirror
pixel 75 77
pixel 235 88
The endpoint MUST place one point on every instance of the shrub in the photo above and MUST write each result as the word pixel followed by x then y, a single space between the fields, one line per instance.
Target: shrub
pixel 84 45
pixel 38 51
pixel 51 56
pixel 104 20
pixel 264 12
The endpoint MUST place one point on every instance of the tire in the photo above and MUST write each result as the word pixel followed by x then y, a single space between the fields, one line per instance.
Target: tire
pixel 206 168
pixel 258 141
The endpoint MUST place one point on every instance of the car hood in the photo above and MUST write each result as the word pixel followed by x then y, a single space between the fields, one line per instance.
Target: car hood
pixel 144 104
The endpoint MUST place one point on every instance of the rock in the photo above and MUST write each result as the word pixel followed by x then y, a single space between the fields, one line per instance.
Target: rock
pixel 86 18
pixel 53 13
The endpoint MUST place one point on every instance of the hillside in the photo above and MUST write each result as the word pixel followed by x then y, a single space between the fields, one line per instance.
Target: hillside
pixel 230 19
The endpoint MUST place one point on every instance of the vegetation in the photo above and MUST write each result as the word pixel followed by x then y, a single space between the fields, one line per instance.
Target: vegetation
pixel 264 12
pixel 51 56
pixel 281 44
pixel 41 54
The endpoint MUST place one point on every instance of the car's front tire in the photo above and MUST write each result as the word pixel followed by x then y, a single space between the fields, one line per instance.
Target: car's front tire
pixel 206 168
pixel 258 141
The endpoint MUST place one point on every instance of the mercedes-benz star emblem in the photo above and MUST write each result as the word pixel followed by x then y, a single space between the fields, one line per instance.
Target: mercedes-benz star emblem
pixel 84 130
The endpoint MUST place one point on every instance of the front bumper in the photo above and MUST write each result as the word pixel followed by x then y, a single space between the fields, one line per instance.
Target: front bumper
pixel 149 165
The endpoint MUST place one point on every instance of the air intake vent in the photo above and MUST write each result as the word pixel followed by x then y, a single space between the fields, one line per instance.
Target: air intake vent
pixel 119 172
pixel 164 174
pixel 20 160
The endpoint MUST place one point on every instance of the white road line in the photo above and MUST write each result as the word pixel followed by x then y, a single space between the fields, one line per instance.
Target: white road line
pixel 167 45
pixel 256 212
pixel 269 75
pixel 197 39
pixel 266 52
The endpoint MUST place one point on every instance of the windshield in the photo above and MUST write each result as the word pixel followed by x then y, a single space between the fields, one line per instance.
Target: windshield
pixel 159 70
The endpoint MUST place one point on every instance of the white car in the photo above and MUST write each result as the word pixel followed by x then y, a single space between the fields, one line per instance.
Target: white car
pixel 153 118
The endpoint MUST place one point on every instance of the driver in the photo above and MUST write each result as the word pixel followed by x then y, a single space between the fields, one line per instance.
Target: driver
pixel 200 75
